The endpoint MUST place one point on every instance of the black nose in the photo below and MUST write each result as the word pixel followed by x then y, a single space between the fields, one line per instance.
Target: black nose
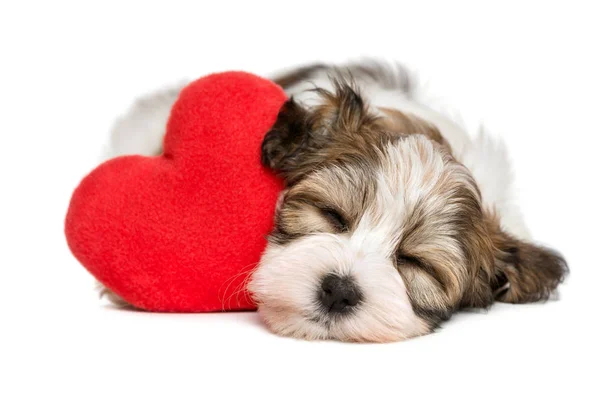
pixel 339 293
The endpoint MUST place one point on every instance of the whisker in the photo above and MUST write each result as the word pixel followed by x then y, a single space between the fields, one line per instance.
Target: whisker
pixel 226 300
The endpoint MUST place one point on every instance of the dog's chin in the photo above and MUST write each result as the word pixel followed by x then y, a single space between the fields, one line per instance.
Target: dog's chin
pixel 293 323
pixel 285 288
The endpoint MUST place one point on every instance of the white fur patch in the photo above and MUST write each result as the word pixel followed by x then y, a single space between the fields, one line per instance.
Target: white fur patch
pixel 286 283
pixel 487 159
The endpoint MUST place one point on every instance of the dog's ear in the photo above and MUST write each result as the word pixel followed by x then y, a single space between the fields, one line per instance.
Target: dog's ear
pixel 524 272
pixel 287 145
pixel 302 138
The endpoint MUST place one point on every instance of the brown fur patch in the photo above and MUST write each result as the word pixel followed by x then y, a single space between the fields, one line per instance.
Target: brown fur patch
pixel 397 121
pixel 341 126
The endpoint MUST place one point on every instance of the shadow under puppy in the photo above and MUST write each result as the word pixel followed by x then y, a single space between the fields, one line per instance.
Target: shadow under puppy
pixel 392 217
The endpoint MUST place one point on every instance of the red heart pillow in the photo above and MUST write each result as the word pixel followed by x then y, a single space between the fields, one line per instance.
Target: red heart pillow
pixel 179 232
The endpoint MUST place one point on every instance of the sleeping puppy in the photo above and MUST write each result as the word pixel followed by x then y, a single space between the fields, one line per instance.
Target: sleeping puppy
pixel 392 217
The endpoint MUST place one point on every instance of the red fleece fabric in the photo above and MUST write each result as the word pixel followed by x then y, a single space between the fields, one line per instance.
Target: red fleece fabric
pixel 179 232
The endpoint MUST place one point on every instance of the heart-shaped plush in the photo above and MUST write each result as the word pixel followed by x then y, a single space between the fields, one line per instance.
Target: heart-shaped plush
pixel 180 232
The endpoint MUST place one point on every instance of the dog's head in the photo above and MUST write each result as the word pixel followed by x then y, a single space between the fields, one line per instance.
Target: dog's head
pixel 380 233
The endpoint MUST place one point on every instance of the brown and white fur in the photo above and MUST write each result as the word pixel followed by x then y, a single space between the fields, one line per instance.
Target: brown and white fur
pixel 392 218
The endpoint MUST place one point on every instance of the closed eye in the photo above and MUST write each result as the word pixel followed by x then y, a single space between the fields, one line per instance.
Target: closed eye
pixel 403 259
pixel 335 219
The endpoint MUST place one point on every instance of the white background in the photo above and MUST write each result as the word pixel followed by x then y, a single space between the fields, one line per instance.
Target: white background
pixel 529 72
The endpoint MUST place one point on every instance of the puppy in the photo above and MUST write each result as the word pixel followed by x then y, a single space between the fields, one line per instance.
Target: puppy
pixel 392 217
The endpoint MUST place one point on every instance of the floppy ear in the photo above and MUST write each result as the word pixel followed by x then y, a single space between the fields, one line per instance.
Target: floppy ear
pixel 525 272
pixel 286 145
pixel 301 138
